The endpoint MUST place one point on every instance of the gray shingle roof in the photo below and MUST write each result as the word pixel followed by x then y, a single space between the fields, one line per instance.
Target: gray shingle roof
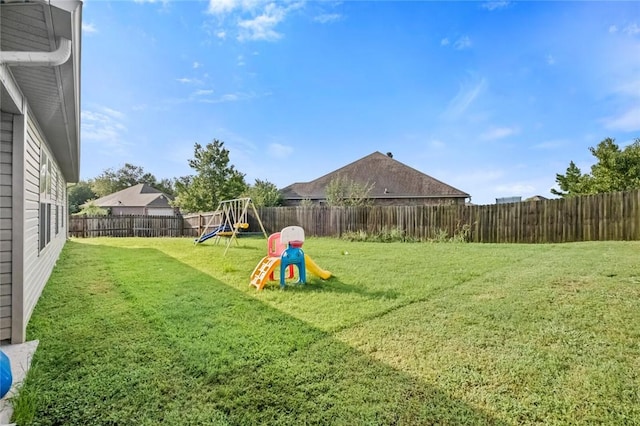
pixel 141 195
pixel 391 179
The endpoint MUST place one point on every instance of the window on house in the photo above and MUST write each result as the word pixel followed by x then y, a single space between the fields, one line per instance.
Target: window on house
pixel 63 204
pixel 46 199
pixel 45 224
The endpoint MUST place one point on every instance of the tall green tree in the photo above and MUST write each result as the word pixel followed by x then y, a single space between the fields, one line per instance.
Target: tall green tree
pixel 90 209
pixel 342 191
pixel 264 194
pixel 78 194
pixel 166 185
pixel 215 180
pixel 111 180
pixel 573 182
pixel 615 170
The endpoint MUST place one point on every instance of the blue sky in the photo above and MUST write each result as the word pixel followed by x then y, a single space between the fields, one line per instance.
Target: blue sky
pixel 493 98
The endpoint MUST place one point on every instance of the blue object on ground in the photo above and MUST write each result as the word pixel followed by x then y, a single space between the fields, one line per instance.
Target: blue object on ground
pixel 293 256
pixel 205 237
pixel 5 374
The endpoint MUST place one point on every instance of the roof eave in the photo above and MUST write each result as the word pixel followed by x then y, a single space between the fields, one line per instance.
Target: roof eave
pixel 386 196
pixel 63 20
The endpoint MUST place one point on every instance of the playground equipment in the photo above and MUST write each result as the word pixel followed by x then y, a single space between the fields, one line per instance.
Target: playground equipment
pixel 229 218
pixel 284 251
pixel 5 374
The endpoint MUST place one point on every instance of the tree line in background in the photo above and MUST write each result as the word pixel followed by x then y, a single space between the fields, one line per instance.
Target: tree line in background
pixel 215 180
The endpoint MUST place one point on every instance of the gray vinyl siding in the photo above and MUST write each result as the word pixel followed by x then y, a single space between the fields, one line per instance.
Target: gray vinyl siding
pixel 6 141
pixel 38 264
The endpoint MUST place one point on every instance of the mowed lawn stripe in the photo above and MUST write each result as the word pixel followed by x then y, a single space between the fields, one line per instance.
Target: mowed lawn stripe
pixel 99 360
pixel 554 339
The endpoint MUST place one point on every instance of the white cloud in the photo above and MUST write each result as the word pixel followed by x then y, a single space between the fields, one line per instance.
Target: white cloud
pixel 551 60
pixel 205 96
pixel 262 27
pixel 631 29
pixel 467 94
pixel 613 29
pixel 631 88
pixel 164 3
pixel 197 65
pixel 113 113
pixel 241 62
pixel 89 28
pixel 628 121
pixel 463 42
pixel 99 126
pixel 498 133
pixel 495 5
pixel 328 18
pixel 104 125
pixel 279 151
pixel 185 80
pixel 203 92
pixel 254 19
pixel 217 7
pixel 230 97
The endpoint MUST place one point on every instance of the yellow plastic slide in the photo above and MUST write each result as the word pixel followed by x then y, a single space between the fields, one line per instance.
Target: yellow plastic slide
pixel 267 265
pixel 260 274
pixel 315 269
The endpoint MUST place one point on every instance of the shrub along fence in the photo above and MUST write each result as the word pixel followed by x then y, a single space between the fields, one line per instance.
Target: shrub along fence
pixel 613 216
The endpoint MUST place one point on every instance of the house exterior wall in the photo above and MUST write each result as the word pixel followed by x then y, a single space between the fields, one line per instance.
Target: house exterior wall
pixel 127 211
pixel 142 211
pixel 404 201
pixel 161 211
pixel 6 150
pixel 44 227
pixel 417 201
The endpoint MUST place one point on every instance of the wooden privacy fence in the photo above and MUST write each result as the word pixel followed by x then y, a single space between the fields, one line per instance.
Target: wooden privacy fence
pixel 614 216
pixel 125 226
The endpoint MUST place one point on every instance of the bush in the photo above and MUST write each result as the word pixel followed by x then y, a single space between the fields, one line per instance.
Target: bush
pixel 383 236
pixel 462 234
pixel 389 235
pixel 91 209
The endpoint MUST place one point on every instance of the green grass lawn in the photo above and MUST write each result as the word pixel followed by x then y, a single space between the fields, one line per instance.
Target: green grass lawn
pixel 148 331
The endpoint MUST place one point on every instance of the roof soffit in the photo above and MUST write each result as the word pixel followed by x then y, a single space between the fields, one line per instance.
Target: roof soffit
pixel 52 93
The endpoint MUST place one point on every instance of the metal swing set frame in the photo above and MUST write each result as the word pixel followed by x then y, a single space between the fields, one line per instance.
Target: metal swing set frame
pixel 231 218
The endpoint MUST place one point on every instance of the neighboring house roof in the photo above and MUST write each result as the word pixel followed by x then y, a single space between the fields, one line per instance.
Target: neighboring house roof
pixel 141 195
pixel 391 179
pixel 536 198
pixel 40 42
